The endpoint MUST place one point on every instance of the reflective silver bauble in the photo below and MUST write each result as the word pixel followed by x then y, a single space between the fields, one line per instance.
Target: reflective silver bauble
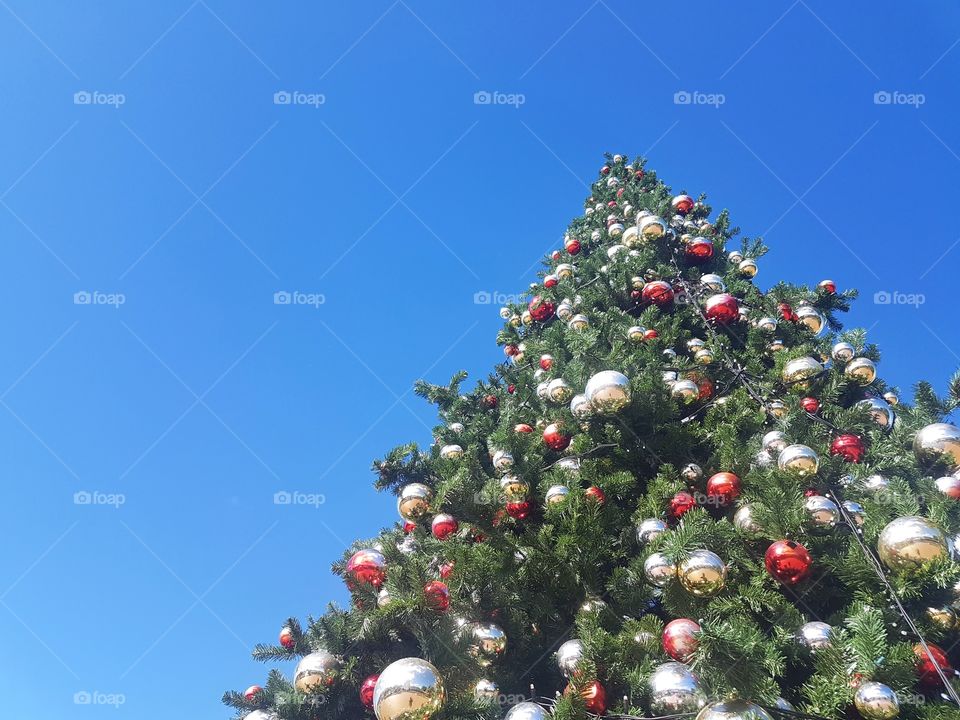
pixel 880 411
pixel 876 701
pixel 814 636
pixel 822 512
pixel 408 545
pixel 502 461
pixel 713 282
pixel 811 318
pixel 414 501
pixel 748 268
pixel 565 310
pixel 650 529
pixel 565 270
pixel 669 355
pixel 383 598
pixel 744 520
pixel 702 573
pixel 733 710
pixel 659 570
pixel 456 427
pixel 685 391
pixel 675 689
pixel 776 345
pixel 876 483
pixel 949 485
pixel 694 344
pixel 669 377
pixel 842 352
pixel 513 488
pixel 855 511
pixel 938 442
pixel 691 472
pixel 579 322
pixel 798 460
pixel 408 689
pixel 652 227
pixel 451 452
pixel 527 711
pixel 862 370
pixel 486 690
pixel 316 670
pixel 891 398
pixel 800 371
pixel 488 641
pixel 559 390
pixel 556 494
pixel 543 389
pixel 608 391
pixel 784 704
pixel 735 257
pixel 767 324
pixel 635 333
pixel 568 657
pixel 570 465
pixel 704 356
pixel 774 441
pixel 580 407
pixel 631 236
pixel 910 543
pixel 763 459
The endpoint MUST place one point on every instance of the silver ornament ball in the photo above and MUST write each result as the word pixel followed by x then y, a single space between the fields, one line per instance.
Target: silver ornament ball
pixel 650 529
pixel 527 711
pixel 798 460
pixel 733 710
pixel 675 689
pixel 939 442
pixel 408 689
pixel 908 544
pixel 316 670
pixel 876 701
pixel 659 570
pixel 568 657
pixel 608 391
pixel 702 573
pixel 814 636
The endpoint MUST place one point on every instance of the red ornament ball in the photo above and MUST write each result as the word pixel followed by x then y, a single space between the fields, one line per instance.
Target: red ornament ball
pixel 698 251
pixel 828 286
pixel 682 204
pixel 650 334
pixel 446 570
pixel 519 509
pixel 523 428
pixel 510 350
pixel 596 495
pixel 657 292
pixel 490 401
pixel 572 246
pixel 251 692
pixel 723 488
pixel 367 567
pixel 927 668
pixel 550 281
pixel 681 503
pixel 788 562
pixel 849 447
pixel 555 255
pixel 511 388
pixel 810 404
pixel 722 308
pixel 638 174
pixel 555 438
pixel 366 690
pixel 409 527
pixel 680 639
pixel 443 526
pixel 786 312
pixel 636 294
pixel 437 595
pixel 605 170
pixel 594 698
pixel 287 638
pixel 540 309
pixel 546 361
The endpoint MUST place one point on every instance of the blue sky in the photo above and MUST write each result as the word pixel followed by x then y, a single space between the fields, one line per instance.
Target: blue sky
pixel 150 166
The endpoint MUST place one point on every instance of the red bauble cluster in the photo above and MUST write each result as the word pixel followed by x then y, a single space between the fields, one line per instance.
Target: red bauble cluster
pixel 519 509
pixel 788 562
pixel 287 638
pixel 555 437
pixel 849 447
pixel 658 292
pixel 698 251
pixel 680 639
pixel 722 309
pixel 366 567
pixel 723 488
pixel 540 309
pixel 681 503
pixel 437 595
pixel 810 404
pixel 366 690
pixel 443 526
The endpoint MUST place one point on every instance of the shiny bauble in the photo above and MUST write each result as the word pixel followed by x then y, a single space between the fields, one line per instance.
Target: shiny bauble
pixel 908 544
pixel 842 352
pixel 568 657
pixel 527 711
pixel 694 344
pixel 949 485
pixel 814 636
pixel 366 567
pixel 721 308
pixel 812 319
pixel 680 640
pixel 774 441
pixel 261 715
pixel 554 437
pixel 827 286
pixel 251 692
pixel 733 710
pixel 762 459
pixel 698 251
pixel 518 509
pixel 659 570
pixel 927 665
pixel 855 511
pixel 703 356
pixel 767 324
pixel 635 333
pixel 443 526
pixel 366 691
pixel 744 520
pixel 939 442
pixel 540 309
pixel 488 641
pixel 592 606
pixel 559 390
pixel 579 322
pixel 408 689
pixel 451 452
pixel 876 701
pixel 650 529
pixel 848 446
pixel 788 562
pixel 569 465
pixel 822 512
pixel 880 411
pixel 594 697
pixel 798 460
pixel 861 370
pixel 502 461
pixel 691 472
pixel 486 690
pixel 680 504
pixel 942 618
pixel 513 488
pixel 748 268
pixel 669 355
pixel 776 345
pixel 723 488
pixel 608 391
pixel 456 428
pixel 735 257
pixel 565 271
pixel 799 371
pixel 316 670
pixel 595 495
pixel 777 408
pixel 891 398
pixel 686 391
pixel 557 494
pixel 674 689
pixel 876 483
pixel 383 598
pixel 702 573
pixel 580 407
pixel 658 292
pixel 810 405
pixel 287 638
pixel 651 227
pixel 713 282
pixel 565 310
pixel 682 204
pixel 631 237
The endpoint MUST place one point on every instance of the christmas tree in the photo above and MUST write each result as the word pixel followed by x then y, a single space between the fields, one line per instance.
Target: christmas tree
pixel 679 496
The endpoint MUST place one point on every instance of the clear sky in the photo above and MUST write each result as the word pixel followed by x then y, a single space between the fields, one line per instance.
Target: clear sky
pixel 180 163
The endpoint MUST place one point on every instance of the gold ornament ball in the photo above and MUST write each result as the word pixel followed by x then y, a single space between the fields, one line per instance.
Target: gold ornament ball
pixel 608 391
pixel 735 256
pixel 686 391
pixel 908 544
pixel 812 319
pixel 800 370
pixel 704 356
pixel 861 370
pixel 798 460
pixel 767 324
pixel 777 408
pixel 748 268
pixel 942 618
pixel 842 351
pixel 694 344
pixel 876 701
pixel 408 689
pixel 702 573
pixel 579 322
pixel 414 501
pixel 559 390
pixel 733 710
pixel 565 310
pixel 652 227
pixel 631 237
pixel 635 333
pixel 316 670
pixel 513 488
pixel 939 442
pixel 451 452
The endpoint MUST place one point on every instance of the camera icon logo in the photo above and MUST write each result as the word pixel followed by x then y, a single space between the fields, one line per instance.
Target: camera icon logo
pixel 882 97
pixel 282 97
pixel 82 97
pixel 282 498
pixel 882 297
pixel 282 297
pixel 482 97
pixel 482 297
pixel 82 297
pixel 82 497
pixel 682 97
pixel 82 698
